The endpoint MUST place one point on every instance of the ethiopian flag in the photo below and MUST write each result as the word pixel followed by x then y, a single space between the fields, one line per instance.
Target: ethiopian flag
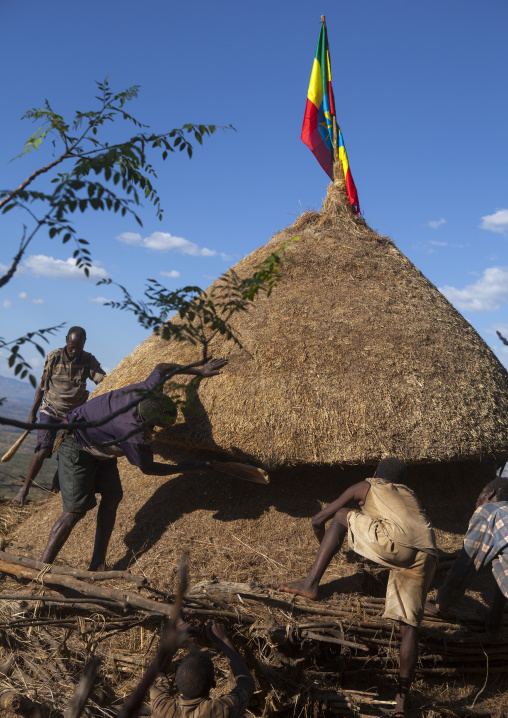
pixel 317 130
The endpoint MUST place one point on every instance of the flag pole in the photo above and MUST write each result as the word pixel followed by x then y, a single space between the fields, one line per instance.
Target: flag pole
pixel 334 119
pixel 338 172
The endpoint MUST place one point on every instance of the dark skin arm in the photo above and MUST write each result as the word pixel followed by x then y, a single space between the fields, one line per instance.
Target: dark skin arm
pixel 211 368
pixel 37 402
pixel 217 633
pixel 357 492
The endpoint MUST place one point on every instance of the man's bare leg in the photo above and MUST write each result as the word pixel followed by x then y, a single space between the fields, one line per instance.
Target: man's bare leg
pixel 407 662
pixel 106 517
pixel 494 617
pixel 55 484
pixel 331 543
pixel 59 534
pixel 34 467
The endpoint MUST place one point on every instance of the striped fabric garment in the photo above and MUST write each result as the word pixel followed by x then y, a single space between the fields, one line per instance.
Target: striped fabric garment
pixel 486 540
pixel 64 381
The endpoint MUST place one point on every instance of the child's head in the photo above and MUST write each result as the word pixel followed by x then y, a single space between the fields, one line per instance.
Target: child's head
pixel 391 469
pixel 195 675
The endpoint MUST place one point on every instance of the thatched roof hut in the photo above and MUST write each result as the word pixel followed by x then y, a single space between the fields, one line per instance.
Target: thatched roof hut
pixel 355 356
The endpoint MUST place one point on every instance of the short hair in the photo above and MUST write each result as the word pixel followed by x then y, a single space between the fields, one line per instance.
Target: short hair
pixel 195 675
pixel 500 486
pixel 392 469
pixel 159 410
pixel 79 331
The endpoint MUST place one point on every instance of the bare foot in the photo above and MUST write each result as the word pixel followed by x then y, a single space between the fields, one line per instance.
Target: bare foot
pixel 19 498
pixel 300 588
pixel 432 607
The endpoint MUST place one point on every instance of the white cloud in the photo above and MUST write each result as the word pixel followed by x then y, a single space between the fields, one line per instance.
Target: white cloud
pixel 173 274
pixel 6 304
pixel 24 295
pixel 42 266
pixel 435 243
pixel 435 223
pixel 487 294
pixel 165 242
pixel 497 222
pixel 98 300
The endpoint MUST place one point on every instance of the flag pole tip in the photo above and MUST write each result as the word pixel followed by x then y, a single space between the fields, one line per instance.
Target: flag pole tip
pixel 323 18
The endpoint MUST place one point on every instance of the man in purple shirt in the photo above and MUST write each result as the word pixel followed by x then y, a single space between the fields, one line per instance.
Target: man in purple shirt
pixel 87 466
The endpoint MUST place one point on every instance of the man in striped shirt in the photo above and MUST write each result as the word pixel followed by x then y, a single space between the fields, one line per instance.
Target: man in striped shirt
pixel 62 388
pixel 195 679
pixel 485 543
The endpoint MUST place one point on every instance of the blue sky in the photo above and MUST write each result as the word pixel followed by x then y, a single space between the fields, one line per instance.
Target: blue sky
pixel 421 97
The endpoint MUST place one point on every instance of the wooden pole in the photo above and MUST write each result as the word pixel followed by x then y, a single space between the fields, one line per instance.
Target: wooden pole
pixel 334 125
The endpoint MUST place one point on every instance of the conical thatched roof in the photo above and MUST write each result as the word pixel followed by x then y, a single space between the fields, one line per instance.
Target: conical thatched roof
pixel 356 355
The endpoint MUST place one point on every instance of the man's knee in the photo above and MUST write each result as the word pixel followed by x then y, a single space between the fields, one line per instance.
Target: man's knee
pixel 43 453
pixel 111 500
pixel 71 518
pixel 407 632
pixel 341 516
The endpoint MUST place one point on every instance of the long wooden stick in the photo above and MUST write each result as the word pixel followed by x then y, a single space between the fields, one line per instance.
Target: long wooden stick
pixel 84 689
pixel 76 572
pixel 169 644
pixel 10 453
pixel 122 597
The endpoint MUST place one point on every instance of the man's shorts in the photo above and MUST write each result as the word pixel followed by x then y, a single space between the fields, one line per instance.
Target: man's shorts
pixel 46 437
pixel 82 476
pixel 411 570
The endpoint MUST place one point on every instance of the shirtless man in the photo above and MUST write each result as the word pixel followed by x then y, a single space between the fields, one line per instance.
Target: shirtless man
pixel 390 528
pixel 61 389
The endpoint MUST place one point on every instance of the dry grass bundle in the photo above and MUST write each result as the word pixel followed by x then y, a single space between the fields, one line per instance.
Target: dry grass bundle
pixel 355 356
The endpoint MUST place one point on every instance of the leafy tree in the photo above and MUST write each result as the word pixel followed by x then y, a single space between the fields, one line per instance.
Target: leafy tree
pixel 89 173
pixel 117 177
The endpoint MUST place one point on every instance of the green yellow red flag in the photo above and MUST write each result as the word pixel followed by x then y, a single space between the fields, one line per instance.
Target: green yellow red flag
pixel 317 130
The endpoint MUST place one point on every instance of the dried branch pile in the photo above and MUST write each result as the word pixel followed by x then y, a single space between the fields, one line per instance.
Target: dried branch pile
pixel 305 656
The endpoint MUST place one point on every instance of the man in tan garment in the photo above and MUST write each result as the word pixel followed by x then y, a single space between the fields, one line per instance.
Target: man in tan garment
pixel 390 528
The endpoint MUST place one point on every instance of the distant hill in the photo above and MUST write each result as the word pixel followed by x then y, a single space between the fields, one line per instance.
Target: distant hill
pixel 19 397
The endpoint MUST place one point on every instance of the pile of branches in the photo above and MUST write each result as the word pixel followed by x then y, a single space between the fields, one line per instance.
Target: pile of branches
pixel 301 653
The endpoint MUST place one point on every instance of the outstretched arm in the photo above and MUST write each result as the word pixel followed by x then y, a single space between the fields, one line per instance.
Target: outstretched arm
pixel 357 492
pixel 211 368
pixel 217 633
pixel 39 393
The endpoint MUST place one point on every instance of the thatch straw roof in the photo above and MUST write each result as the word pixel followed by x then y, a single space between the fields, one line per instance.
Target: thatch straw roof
pixel 355 356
